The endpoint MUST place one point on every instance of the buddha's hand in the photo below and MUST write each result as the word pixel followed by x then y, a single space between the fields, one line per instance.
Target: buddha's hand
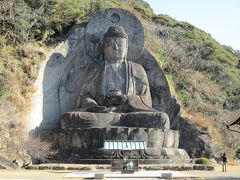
pixel 97 109
pixel 117 99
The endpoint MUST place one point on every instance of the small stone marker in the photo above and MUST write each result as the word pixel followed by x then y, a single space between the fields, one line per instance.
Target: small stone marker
pixel 98 176
pixel 166 175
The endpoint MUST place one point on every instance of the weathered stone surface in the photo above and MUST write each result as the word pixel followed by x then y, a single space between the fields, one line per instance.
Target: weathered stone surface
pixel 89 142
pixel 169 139
pixel 5 163
pixel 100 23
pixel 169 153
pixel 194 139
pixel 59 80
pixel 93 137
pixel 138 134
pixel 117 133
pixel 120 88
pixel 76 142
pixel 182 154
pixel 101 93
pixel 101 120
pixel 176 139
pixel 87 119
pixel 154 135
pixel 160 92
pixel 145 119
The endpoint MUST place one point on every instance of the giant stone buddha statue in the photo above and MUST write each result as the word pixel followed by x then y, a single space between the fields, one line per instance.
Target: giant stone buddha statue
pixel 116 91
pixel 102 84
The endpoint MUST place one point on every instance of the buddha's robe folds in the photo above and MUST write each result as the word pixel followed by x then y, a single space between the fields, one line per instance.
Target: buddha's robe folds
pixel 93 109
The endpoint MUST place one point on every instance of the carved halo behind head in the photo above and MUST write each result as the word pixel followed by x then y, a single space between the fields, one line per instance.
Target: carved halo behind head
pixel 100 23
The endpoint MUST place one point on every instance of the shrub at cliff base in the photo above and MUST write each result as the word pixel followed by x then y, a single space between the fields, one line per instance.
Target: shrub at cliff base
pixel 203 160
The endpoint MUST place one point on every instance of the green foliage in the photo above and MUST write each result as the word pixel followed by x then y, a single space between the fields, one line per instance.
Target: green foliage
pixel 2 87
pixel 46 33
pixel 25 20
pixel 203 160
pixel 15 20
pixel 237 53
pixel 143 8
pixel 96 6
pixel 2 42
pixel 28 20
pixel 232 103
pixel 164 20
pixel 196 50
pixel 63 13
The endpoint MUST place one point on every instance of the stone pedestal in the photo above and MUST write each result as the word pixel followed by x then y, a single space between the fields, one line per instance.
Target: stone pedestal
pixel 88 143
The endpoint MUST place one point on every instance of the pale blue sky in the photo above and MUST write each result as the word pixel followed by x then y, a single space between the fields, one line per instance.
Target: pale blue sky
pixel 220 18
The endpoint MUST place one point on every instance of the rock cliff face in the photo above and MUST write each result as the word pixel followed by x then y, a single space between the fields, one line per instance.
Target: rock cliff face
pixel 195 140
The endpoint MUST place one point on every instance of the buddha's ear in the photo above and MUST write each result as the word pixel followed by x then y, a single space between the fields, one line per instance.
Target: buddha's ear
pixel 101 42
pixel 126 48
pixel 126 54
pixel 101 46
pixel 125 57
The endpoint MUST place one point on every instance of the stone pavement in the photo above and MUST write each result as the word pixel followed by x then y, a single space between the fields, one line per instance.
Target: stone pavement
pixel 233 173
pixel 137 175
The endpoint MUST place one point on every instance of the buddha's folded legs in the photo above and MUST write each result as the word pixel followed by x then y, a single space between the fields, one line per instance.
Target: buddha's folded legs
pixel 101 120
pixel 80 119
pixel 145 119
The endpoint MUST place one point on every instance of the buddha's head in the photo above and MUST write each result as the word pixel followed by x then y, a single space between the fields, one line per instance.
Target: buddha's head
pixel 115 44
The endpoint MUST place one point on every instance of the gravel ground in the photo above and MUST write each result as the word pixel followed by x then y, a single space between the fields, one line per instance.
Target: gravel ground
pixel 233 173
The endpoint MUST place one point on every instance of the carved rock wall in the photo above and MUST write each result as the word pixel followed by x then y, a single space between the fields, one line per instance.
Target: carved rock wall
pixel 62 74
pixel 89 142
pixel 59 81
pixel 195 140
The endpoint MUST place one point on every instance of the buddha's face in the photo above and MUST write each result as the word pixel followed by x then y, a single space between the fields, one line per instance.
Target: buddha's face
pixel 115 48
